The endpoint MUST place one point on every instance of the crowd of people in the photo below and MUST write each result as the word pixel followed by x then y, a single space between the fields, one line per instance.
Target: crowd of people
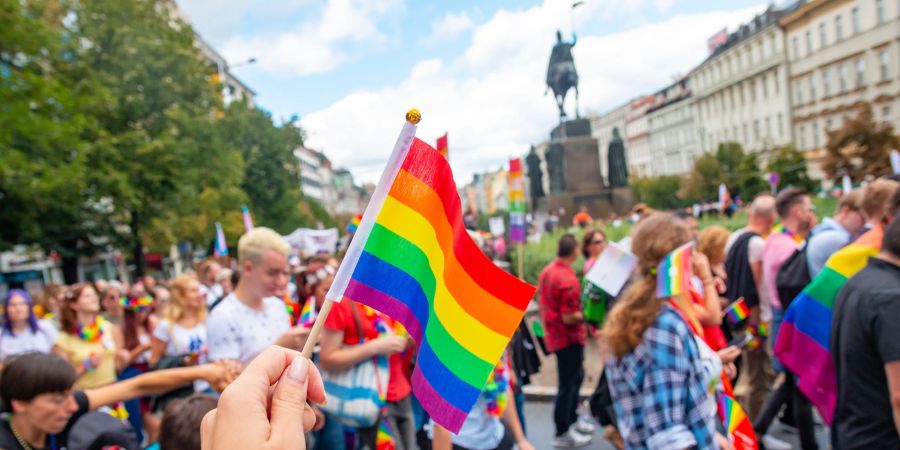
pixel 140 365
pixel 662 352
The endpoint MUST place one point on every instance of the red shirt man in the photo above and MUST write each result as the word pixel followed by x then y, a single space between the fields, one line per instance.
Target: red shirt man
pixel 565 336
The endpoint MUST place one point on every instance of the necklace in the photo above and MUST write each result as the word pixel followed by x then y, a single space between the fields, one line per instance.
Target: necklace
pixel 19 438
pixel 90 333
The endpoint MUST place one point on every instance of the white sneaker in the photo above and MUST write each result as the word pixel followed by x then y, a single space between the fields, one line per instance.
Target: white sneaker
pixel 571 439
pixel 585 426
pixel 773 443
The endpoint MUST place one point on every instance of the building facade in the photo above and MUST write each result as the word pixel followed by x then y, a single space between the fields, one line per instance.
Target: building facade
pixel 673 140
pixel 741 90
pixel 842 53
pixel 602 129
pixel 637 137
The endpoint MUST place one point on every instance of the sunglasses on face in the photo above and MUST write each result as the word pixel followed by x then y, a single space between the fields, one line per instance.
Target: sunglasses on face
pixel 598 242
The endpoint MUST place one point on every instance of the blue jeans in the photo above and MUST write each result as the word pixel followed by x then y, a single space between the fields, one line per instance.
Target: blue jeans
pixel 777 319
pixel 332 435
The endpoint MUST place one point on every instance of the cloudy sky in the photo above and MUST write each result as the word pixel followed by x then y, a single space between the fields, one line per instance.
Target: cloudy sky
pixel 349 69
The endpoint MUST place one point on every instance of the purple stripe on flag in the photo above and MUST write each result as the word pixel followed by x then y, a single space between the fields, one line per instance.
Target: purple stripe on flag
pixel 400 311
pixel 813 366
pixel 439 409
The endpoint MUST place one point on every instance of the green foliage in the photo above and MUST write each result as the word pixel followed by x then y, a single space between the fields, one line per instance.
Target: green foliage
pixel 658 192
pixel 790 165
pixel 112 130
pixel 739 171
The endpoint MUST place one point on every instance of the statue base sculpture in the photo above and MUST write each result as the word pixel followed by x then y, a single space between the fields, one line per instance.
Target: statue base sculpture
pixel 583 184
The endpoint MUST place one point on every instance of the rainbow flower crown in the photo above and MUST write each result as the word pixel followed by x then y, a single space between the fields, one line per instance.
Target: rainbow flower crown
pixel 137 304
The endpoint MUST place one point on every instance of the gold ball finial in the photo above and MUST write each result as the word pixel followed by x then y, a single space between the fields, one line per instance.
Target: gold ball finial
pixel 413 116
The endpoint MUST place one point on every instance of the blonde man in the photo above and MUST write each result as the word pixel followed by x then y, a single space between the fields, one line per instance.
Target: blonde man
pixel 251 318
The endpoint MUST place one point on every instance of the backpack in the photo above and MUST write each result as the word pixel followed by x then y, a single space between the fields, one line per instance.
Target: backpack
pixel 793 277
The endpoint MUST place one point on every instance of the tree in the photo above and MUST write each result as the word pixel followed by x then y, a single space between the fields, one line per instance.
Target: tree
pixel 790 166
pixel 739 172
pixel 860 147
pixel 271 177
pixel 658 192
pixel 702 183
pixel 157 93
pixel 44 138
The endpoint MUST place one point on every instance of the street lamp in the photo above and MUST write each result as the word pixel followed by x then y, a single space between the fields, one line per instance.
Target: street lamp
pixel 242 63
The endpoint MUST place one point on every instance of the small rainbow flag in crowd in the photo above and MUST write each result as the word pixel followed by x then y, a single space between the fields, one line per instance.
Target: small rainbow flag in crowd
pixel 804 338
pixel 137 304
pixel 673 275
pixel 308 312
pixel 442 146
pixel 354 224
pixel 383 439
pixel 735 420
pixel 248 219
pixel 413 260
pixel 221 248
pixel 738 311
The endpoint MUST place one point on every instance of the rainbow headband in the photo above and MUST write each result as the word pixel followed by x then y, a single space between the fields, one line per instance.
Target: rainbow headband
pixel 673 275
pixel 137 304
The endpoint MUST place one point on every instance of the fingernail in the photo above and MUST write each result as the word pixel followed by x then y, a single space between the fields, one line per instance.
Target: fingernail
pixel 299 369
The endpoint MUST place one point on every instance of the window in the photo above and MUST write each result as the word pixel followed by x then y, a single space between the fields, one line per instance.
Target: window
pixel 746 139
pixel 842 77
pixel 808 42
pixel 828 124
pixel 768 128
pixel 826 81
pixel 860 72
pixel 799 93
pixel 735 132
pixel 883 64
pixel 802 133
pixel 812 87
pixel 795 47
pixel 753 90
pixel 838 28
pixel 885 113
pixel 823 36
pixel 879 12
pixel 854 15
pixel 756 130
pixel 777 82
pixel 765 85
pixel 815 131
pixel 780 125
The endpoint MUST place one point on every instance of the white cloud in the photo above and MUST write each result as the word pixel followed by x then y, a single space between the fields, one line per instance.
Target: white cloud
pixel 317 45
pixel 449 27
pixel 490 98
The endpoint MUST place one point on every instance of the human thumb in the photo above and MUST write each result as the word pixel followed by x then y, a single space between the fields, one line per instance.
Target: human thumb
pixel 288 404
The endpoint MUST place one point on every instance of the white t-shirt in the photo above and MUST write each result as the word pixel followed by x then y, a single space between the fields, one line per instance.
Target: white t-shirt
pixel 212 293
pixel 236 331
pixel 754 247
pixel 28 341
pixel 185 341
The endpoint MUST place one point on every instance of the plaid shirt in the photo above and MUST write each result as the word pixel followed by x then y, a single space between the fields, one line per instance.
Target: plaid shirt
pixel 660 390
pixel 560 293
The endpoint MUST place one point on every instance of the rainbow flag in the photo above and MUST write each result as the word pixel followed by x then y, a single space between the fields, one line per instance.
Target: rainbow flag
pixel 354 224
pixel 735 421
pixel 383 438
pixel 413 260
pixel 221 248
pixel 308 313
pixel 248 219
pixel 442 146
pixel 803 344
pixel 673 275
pixel 738 311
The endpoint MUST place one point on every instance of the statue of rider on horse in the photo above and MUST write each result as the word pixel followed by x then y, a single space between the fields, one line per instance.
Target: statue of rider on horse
pixel 561 73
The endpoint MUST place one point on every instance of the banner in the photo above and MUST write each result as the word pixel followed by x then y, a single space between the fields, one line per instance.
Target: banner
pixel 442 146
pixel 516 201
pixel 314 242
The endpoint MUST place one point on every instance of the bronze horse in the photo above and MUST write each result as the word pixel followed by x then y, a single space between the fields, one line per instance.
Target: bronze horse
pixel 561 73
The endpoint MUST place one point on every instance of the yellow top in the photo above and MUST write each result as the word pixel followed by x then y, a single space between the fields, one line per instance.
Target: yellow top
pixel 79 350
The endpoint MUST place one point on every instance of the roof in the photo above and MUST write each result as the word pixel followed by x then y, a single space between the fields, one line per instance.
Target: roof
pixel 747 30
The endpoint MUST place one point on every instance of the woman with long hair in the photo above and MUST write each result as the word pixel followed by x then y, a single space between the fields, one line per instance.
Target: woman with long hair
pixel 111 302
pixel 47 304
pixel 181 333
pixel 90 343
pixel 138 323
pixel 659 373
pixel 22 331
pixel 592 245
